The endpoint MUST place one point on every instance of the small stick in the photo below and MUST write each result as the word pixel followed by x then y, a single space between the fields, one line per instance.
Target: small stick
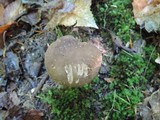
pixel 39 86
pixel 116 40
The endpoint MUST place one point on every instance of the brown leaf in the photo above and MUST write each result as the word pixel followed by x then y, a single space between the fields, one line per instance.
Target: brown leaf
pixel 73 13
pixel 147 14
pixel 13 11
pixel 1 14
pixel 2 29
pixel 80 15
pixel 139 5
pixel 5 27
pixel 33 115
pixel 1 41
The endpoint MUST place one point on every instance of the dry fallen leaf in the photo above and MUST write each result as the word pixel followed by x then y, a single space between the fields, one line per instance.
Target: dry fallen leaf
pixel 75 13
pixel 13 10
pixel 2 22
pixel 32 18
pixel 155 105
pixel 33 115
pixel 14 98
pixel 80 16
pixel 150 108
pixel 10 13
pixel 4 27
pixel 1 14
pixel 147 14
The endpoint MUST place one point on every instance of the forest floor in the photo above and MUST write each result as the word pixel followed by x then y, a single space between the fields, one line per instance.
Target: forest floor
pixel 129 82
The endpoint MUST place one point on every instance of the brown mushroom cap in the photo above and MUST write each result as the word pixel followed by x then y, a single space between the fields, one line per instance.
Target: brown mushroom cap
pixel 72 63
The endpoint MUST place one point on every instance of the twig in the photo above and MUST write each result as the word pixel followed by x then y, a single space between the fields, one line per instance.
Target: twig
pixel 39 86
pixel 117 41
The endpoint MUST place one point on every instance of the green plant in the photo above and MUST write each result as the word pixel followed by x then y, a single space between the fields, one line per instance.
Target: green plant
pixel 116 15
pixel 73 103
pixel 99 100
pixel 69 104
pixel 130 80
pixel 131 73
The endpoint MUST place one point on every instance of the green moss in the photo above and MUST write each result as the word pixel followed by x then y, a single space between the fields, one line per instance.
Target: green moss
pixel 102 100
pixel 131 74
pixel 116 15
pixel 72 103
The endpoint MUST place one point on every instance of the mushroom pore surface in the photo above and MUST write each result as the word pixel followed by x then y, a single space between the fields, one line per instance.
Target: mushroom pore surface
pixel 72 63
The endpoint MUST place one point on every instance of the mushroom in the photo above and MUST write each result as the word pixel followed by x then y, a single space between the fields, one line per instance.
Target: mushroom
pixel 72 63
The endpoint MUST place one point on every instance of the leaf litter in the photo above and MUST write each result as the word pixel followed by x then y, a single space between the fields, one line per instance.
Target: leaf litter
pixel 150 108
pixel 22 73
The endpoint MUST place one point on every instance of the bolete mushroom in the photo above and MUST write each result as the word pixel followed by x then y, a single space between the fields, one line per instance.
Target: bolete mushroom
pixel 72 63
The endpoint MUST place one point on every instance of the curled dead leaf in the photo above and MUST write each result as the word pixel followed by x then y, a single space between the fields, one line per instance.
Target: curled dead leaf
pixel 147 14
pixel 75 13
pixel 13 11
pixel 80 16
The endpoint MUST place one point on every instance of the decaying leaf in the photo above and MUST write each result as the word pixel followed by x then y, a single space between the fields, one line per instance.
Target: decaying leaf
pixel 32 18
pixel 150 108
pixel 2 22
pixel 33 115
pixel 11 62
pixel 14 98
pixel 81 15
pixel 13 10
pixel 75 13
pixel 1 14
pixel 10 13
pixel 4 27
pixel 59 12
pixel 147 14
pixel 155 105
